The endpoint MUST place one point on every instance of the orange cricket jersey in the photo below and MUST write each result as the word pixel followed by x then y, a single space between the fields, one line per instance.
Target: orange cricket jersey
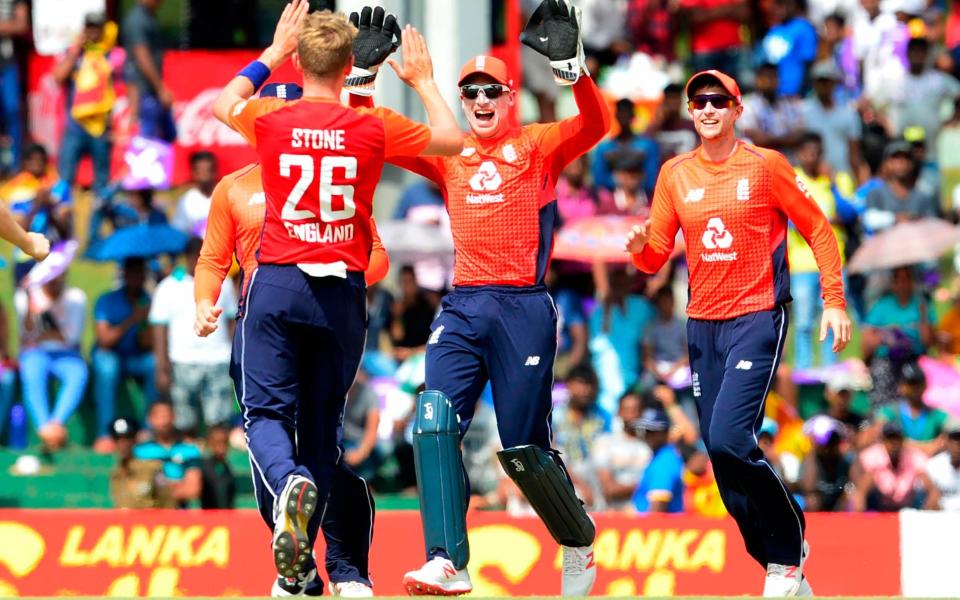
pixel 501 193
pixel 234 226
pixel 320 164
pixel 733 215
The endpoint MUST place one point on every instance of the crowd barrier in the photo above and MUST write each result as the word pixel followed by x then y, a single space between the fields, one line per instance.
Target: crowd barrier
pixel 226 553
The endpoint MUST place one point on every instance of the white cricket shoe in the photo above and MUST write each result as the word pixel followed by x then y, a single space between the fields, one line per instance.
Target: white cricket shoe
pixel 437 578
pixel 351 589
pixel 579 571
pixel 782 580
pixel 284 587
pixel 291 544
pixel 805 590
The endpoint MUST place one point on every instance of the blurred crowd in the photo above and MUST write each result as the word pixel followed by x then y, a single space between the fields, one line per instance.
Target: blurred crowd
pixel 862 97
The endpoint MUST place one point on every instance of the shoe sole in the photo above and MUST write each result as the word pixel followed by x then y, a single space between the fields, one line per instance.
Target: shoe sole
pixel 291 546
pixel 420 588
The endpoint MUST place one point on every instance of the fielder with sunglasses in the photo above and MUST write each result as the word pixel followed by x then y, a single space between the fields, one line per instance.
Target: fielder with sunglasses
pixel 732 201
pixel 499 323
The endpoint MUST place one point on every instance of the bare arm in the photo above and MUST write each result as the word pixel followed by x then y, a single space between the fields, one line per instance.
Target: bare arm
pixel 189 487
pixel 612 490
pixel 62 70
pixel 34 244
pixel 162 358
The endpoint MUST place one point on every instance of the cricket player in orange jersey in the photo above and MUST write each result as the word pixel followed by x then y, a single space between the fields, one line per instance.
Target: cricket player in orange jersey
pixel 499 323
pixel 732 200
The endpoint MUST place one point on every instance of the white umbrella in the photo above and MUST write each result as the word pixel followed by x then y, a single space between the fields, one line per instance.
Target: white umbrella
pixel 905 244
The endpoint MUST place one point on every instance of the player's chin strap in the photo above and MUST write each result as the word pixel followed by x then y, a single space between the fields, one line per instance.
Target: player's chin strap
pixel 568 72
pixel 362 82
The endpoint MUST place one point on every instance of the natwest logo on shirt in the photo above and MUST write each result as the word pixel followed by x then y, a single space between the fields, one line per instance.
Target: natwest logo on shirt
pixel 486 179
pixel 717 237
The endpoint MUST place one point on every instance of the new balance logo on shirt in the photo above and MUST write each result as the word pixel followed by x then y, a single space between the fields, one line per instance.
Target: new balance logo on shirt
pixel 435 336
pixel 744 365
pixel 532 361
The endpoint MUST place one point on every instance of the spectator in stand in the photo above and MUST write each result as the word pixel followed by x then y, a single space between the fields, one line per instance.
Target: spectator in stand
pixel 412 315
pixel 804 274
pixel 836 44
pixel 665 356
pixel 626 142
pixel 52 318
pixel 422 203
pixel 948 332
pixel 136 483
pixel 138 209
pixel 151 100
pixel 620 457
pixel 181 460
pixel 218 487
pixel 671 127
pixel 194 206
pixel 921 425
pixel 379 314
pixel 947 158
pixel 576 198
pixel 791 44
pixel 786 464
pixel 576 428
pixel 87 70
pixel 652 26
pixel 898 327
pixel 571 324
pixel 924 91
pixel 891 476
pixel 123 345
pixel 661 487
pixel 361 419
pixel 603 31
pixel 193 370
pixel 898 199
pixel 701 496
pixel 617 328
pixel 877 41
pixel 715 41
pixel 8 371
pixel 771 119
pixel 39 202
pixel 838 393
pixel 838 124
pixel 628 196
pixel 944 470
pixel 14 24
pixel 825 475
pixel 926 171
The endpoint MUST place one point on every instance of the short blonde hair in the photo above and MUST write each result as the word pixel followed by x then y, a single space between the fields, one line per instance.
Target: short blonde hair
pixel 325 43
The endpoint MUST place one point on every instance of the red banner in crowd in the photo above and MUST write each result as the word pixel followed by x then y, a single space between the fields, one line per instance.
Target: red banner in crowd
pixel 226 553
pixel 195 77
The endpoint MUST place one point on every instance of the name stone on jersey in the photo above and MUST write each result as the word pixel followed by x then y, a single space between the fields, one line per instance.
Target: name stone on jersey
pixel 317 139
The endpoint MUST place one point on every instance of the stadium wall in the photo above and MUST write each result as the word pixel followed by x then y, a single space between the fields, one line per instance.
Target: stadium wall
pixel 226 553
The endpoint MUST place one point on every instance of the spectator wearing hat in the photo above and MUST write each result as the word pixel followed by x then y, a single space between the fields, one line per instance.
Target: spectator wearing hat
pixel 838 392
pixel 927 172
pixel 621 456
pixel 898 327
pixel 672 129
pixel 825 474
pixel 891 476
pixel 921 425
pixel 180 459
pixel 944 469
pixel 770 118
pixel 838 124
pixel 897 199
pixel 135 483
pixel 661 487
pixel 627 142
pixel 123 347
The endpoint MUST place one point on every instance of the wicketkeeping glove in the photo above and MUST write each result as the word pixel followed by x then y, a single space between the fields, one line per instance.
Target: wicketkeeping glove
pixel 378 37
pixel 554 31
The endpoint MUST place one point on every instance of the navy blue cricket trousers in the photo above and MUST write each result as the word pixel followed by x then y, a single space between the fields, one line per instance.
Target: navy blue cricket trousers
pixel 734 362
pixel 296 354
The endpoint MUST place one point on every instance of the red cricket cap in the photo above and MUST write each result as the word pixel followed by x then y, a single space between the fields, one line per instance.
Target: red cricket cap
pixel 488 65
pixel 728 83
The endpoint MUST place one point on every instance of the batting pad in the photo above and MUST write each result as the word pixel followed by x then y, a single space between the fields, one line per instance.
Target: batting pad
pixel 440 477
pixel 550 493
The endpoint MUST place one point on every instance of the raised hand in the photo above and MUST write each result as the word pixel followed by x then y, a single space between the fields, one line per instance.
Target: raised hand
pixel 378 36
pixel 417 67
pixel 638 237
pixel 288 27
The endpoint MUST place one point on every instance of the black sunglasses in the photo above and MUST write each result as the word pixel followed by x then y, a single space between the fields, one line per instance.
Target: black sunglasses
pixel 718 101
pixel 490 90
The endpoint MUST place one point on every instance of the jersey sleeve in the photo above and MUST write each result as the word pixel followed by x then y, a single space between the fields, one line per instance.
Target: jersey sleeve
pixel 243 116
pixel 379 259
pixel 664 224
pixel 216 255
pixel 813 225
pixel 430 167
pixel 565 140
pixel 403 137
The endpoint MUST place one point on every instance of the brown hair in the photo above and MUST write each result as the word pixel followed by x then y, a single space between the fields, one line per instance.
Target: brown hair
pixel 325 43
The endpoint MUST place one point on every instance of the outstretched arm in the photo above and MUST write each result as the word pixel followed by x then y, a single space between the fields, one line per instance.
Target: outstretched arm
pixel 33 244
pixel 651 243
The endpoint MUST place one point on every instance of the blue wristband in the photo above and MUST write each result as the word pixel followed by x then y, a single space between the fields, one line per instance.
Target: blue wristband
pixel 257 73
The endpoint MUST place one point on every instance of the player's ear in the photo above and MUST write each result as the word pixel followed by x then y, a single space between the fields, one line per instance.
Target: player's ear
pixel 349 67
pixel 295 59
pixel 512 98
